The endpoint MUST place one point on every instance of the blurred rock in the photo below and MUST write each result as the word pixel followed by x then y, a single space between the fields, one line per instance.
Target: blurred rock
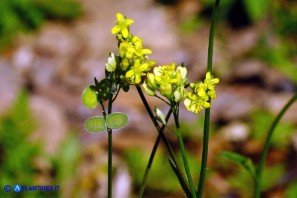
pixel 234 102
pixel 248 71
pixel 51 124
pixel 257 73
pixel 56 40
pixel 241 41
pixel 44 71
pixel 23 58
pixel 275 102
pixel 235 131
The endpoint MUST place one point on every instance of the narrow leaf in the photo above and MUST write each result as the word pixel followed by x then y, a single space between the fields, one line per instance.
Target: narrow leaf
pixel 89 98
pixel 116 120
pixel 95 124
pixel 245 162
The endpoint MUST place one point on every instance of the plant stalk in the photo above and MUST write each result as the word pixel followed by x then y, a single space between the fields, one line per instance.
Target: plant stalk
pixel 183 151
pixel 109 131
pixel 204 153
pixel 257 190
pixel 152 156
pixel 207 111
pixel 164 139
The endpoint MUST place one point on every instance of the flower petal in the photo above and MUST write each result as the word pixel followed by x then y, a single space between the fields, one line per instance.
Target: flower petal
pixel 130 73
pixel 120 17
pixel 129 21
pixel 125 32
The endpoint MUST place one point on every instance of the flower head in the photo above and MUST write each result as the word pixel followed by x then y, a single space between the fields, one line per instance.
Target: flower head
pixel 137 70
pixel 127 50
pixel 168 81
pixel 122 25
pixel 201 94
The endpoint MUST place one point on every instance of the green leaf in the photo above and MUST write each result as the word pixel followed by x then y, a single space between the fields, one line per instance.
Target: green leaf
pixel 95 124
pixel 89 98
pixel 116 120
pixel 245 162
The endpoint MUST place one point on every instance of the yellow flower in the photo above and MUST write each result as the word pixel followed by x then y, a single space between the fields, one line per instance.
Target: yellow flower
pixel 139 51
pixel 138 70
pixel 168 81
pixel 149 84
pixel 124 64
pixel 195 105
pixel 126 50
pixel 210 81
pixel 122 25
pixel 201 94
pixel 180 93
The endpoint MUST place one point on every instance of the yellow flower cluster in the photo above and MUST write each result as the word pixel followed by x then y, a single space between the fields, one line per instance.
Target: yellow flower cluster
pixel 132 59
pixel 168 81
pixel 201 94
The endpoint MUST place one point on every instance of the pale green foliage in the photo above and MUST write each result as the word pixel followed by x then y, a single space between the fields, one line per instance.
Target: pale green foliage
pixel 116 120
pixel 89 98
pixel 95 124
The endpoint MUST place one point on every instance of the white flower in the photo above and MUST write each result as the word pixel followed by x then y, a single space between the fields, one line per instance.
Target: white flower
pixel 159 115
pixel 111 64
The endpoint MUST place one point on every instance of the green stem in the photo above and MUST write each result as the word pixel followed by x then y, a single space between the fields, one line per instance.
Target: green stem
pixel 211 35
pixel 261 164
pixel 152 156
pixel 109 131
pixel 183 152
pixel 207 111
pixel 164 139
pixel 204 153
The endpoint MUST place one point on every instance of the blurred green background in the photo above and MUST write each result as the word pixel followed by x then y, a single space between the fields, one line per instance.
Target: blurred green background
pixel 50 50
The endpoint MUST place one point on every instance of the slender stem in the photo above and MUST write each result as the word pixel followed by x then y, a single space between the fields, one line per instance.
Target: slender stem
pixel 162 99
pixel 204 153
pixel 261 164
pixel 109 131
pixel 207 111
pixel 164 139
pixel 183 152
pixel 148 167
pixel 152 156
pixel 116 94
pixel 211 35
